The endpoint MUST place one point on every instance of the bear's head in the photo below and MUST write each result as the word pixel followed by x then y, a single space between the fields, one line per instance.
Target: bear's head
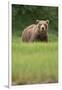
pixel 42 25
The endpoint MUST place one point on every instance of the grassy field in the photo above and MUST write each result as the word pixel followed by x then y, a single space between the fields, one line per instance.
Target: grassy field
pixel 34 62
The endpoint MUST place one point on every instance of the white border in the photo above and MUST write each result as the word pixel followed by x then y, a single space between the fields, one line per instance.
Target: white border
pixel 33 2
pixel 37 2
pixel 9 43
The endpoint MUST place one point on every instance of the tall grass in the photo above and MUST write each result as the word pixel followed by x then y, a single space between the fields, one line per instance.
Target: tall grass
pixel 34 62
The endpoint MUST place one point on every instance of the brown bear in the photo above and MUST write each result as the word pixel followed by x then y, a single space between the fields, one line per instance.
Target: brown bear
pixel 36 32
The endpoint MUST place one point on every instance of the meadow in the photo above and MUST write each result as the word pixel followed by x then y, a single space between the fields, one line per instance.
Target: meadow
pixel 34 62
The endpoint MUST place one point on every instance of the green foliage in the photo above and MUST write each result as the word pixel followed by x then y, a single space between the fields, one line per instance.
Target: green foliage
pixel 24 15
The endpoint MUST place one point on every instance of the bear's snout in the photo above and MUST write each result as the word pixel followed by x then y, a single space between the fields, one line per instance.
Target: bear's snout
pixel 42 28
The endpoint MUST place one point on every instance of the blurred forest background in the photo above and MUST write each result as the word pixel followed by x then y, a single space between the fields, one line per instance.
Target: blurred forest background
pixel 25 15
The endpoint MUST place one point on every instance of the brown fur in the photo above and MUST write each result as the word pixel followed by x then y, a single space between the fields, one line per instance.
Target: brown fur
pixel 36 32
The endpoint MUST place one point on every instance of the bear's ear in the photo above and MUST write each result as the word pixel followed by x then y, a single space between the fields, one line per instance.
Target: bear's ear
pixel 37 21
pixel 47 21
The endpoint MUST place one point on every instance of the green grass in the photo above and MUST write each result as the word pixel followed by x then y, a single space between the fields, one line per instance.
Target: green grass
pixel 34 62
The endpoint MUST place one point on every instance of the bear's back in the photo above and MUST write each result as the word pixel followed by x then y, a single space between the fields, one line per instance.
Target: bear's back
pixel 26 34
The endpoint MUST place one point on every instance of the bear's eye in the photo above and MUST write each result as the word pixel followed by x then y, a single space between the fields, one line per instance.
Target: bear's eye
pixel 45 26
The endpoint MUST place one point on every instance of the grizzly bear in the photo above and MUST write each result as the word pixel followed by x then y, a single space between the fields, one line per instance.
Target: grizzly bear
pixel 36 32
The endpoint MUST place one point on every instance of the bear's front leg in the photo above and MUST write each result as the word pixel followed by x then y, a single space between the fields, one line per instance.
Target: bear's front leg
pixel 46 39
